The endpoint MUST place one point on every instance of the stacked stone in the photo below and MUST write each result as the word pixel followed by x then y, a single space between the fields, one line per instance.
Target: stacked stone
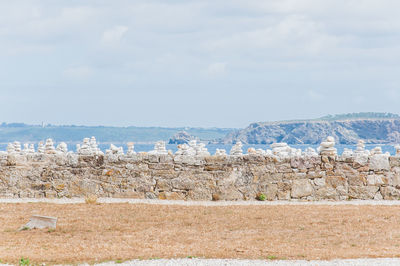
pixel 376 150
pixel 94 148
pixel 159 148
pixel 397 147
pixel 283 150
pixel 220 152
pixel 41 147
pixel 310 152
pixel 347 153
pixel 62 147
pixel 131 149
pixel 201 149
pixel 17 146
pixel 85 148
pixel 10 148
pixel 237 149
pixel 253 151
pixel 49 147
pixel 29 148
pixel 327 147
pixel 360 150
pixel 115 150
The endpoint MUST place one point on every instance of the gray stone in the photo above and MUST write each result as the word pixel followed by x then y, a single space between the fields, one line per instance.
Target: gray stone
pixel 301 188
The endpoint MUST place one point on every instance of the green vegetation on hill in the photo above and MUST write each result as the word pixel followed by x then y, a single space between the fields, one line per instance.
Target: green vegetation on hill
pixel 362 115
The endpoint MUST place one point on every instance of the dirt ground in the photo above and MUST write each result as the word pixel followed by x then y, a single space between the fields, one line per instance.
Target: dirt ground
pixel 110 232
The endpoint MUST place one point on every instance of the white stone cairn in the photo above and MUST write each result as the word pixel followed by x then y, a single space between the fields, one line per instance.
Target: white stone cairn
pixel 361 154
pixel 397 147
pixel 41 147
pixel 192 149
pixel 10 148
pixel 115 150
pixel 159 148
pixel 85 148
pixel 131 149
pixel 378 150
pixel 360 150
pixel 283 150
pixel 327 147
pixel 253 151
pixel 347 153
pixel 49 147
pixel 62 147
pixel 237 149
pixel 310 152
pixel 220 152
pixel 17 146
pixel 28 148
pixel 94 147
pixel 200 148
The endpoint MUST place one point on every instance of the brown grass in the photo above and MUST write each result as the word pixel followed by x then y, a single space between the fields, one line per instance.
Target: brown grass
pixel 102 232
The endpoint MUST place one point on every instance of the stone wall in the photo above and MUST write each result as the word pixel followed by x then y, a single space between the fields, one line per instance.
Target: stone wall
pixel 168 176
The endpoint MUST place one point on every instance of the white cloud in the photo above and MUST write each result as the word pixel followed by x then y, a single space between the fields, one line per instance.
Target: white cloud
pixel 216 69
pixel 114 35
pixel 315 95
pixel 78 72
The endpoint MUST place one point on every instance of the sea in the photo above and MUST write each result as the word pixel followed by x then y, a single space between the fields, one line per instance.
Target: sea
pixel 213 147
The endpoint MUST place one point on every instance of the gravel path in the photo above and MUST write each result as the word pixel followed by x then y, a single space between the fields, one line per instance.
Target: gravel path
pixel 203 203
pixel 233 262
pixel 219 262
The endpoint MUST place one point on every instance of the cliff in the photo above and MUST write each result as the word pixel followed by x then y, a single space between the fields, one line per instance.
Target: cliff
pixel 346 131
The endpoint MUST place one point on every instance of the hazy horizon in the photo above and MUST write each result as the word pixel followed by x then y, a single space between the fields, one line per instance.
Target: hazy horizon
pixel 220 64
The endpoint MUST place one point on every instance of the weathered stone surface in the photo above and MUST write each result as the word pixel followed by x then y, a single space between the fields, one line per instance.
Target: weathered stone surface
pixel 301 188
pixel 379 162
pixel 166 176
pixel 365 192
pixel 390 193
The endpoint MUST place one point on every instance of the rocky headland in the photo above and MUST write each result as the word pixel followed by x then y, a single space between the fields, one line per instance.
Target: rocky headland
pixel 377 129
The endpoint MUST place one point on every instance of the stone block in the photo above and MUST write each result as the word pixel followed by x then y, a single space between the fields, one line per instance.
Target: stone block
pixel 390 193
pixel 379 162
pixel 40 222
pixel 362 192
pixel 301 188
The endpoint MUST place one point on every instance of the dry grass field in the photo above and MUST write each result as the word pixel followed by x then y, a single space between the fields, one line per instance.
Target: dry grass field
pixel 106 232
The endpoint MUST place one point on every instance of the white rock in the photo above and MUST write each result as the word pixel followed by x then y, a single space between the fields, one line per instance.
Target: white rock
pixel 17 146
pixel 327 147
pixel 41 148
pixel 237 149
pixel 10 148
pixel 310 152
pixel 220 152
pixel 131 149
pixel 376 150
pixel 397 147
pixel 62 147
pixel 85 148
pixel 159 148
pixel 379 162
pixel 49 147
pixel 115 150
pixel 347 153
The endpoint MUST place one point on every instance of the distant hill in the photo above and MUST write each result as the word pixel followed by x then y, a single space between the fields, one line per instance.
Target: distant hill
pixel 72 133
pixel 345 128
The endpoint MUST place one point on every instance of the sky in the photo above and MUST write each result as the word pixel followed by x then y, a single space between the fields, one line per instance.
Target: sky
pixel 206 63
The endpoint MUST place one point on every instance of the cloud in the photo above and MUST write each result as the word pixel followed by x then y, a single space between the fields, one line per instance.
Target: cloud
pixel 216 69
pixel 114 35
pixel 78 72
pixel 315 95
